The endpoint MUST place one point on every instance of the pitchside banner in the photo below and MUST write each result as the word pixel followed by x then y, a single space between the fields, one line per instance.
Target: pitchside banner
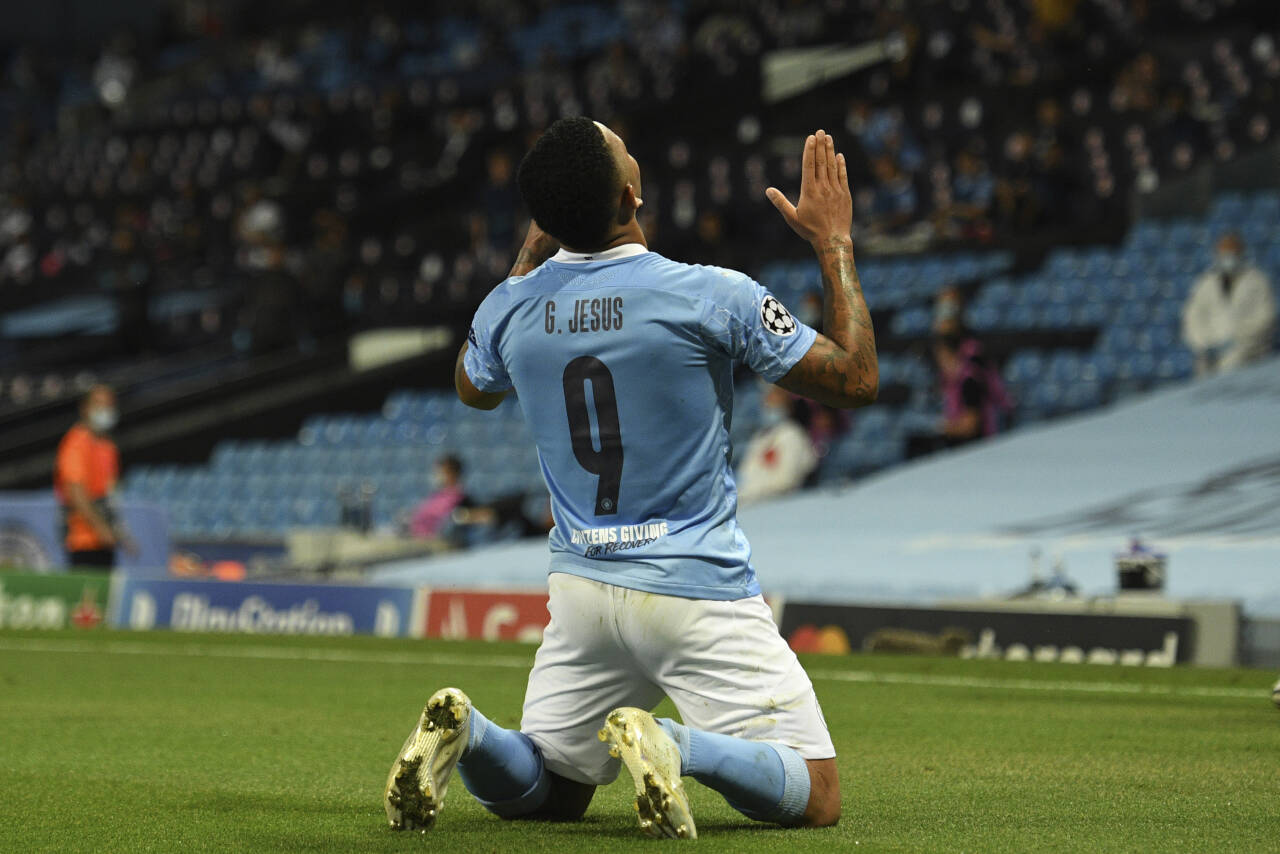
pixel 1022 636
pixel 53 601
pixel 258 608
pixel 485 614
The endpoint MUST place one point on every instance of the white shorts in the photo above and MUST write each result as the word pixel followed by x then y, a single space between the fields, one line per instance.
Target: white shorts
pixel 723 664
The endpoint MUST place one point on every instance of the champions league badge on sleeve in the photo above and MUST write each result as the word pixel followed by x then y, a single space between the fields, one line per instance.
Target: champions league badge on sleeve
pixel 776 318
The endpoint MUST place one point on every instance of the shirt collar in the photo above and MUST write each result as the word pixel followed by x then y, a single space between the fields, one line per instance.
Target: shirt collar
pixel 626 250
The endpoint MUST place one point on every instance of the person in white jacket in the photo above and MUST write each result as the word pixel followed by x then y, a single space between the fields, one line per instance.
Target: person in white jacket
pixel 779 456
pixel 1230 316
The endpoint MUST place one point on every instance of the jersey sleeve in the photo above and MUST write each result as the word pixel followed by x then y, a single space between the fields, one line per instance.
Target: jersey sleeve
pixel 483 362
pixel 754 328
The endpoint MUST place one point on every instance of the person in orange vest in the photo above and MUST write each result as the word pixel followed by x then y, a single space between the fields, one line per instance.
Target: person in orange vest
pixel 85 476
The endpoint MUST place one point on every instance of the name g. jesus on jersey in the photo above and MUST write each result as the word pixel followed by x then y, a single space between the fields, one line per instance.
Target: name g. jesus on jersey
pixel 587 315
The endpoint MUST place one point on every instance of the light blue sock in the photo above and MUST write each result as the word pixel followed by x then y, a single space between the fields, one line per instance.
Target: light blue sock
pixel 763 780
pixel 503 769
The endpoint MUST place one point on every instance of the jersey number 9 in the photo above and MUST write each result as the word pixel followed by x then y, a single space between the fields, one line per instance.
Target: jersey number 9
pixel 605 463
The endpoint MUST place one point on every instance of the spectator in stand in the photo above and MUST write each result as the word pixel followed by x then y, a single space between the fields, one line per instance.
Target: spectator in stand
pixel 894 205
pixel 1230 316
pixel 85 475
pixel 973 395
pixel 269 319
pixel 972 194
pixel 494 221
pixel 1019 209
pixel 779 456
pixel 1138 85
pixel 433 516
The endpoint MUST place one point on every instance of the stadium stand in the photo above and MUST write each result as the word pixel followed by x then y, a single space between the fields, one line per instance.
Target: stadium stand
pixel 1131 296
pixel 145 184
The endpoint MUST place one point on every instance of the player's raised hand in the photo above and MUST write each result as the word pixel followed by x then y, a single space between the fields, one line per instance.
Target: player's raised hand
pixel 825 209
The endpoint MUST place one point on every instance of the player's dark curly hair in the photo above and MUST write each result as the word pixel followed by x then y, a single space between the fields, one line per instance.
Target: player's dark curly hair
pixel 570 183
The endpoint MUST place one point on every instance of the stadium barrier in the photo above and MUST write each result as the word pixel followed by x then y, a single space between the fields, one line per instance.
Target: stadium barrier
pixel 58 600
pixel 1260 643
pixel 64 600
pixel 1152 632
pixel 199 605
pixel 485 614
pixel 264 608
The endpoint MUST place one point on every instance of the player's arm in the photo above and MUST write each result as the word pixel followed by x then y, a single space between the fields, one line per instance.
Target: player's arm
pixel 467 392
pixel 841 368
pixel 78 499
pixel 538 247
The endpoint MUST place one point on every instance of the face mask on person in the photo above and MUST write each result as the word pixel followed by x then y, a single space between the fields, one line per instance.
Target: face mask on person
pixel 103 419
pixel 1229 262
pixel 437 479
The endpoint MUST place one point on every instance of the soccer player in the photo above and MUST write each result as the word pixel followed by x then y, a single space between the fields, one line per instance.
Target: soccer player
pixel 622 361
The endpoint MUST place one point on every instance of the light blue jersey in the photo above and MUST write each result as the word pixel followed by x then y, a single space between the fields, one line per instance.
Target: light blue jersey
pixel 623 366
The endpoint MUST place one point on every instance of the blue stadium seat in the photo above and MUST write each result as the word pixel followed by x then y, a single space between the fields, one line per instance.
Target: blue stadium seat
pixel 1082 395
pixel 1135 366
pixel 1229 205
pixel 1045 397
pixel 998 292
pixel 1055 316
pixel 1089 315
pixel 1024 367
pixel 1020 318
pixel 1146 235
pixel 912 322
pixel 1185 234
pixel 1176 364
pixel 1065 367
pixel 871 425
pixel 1265 207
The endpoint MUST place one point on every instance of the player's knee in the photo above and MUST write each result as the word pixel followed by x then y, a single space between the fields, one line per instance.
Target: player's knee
pixel 567 800
pixel 824 812
pixel 823 809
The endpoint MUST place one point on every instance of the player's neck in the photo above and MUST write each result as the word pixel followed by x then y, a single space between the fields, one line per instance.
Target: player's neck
pixel 629 233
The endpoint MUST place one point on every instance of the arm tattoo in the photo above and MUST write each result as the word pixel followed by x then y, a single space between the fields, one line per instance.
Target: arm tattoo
pixel 526 262
pixel 841 369
pixel 531 256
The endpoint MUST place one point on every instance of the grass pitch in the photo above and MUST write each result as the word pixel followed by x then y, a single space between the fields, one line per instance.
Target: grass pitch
pixel 167 742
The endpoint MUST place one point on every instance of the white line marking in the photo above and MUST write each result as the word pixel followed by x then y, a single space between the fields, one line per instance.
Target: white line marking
pixel 286 653
pixel 269 653
pixel 1033 684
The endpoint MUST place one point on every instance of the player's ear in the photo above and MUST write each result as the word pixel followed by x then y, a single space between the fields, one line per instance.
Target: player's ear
pixel 628 204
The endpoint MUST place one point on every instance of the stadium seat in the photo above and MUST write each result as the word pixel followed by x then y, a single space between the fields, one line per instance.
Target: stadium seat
pixel 1132 294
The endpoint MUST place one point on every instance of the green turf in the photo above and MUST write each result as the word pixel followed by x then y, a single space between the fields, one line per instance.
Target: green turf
pixel 166 742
